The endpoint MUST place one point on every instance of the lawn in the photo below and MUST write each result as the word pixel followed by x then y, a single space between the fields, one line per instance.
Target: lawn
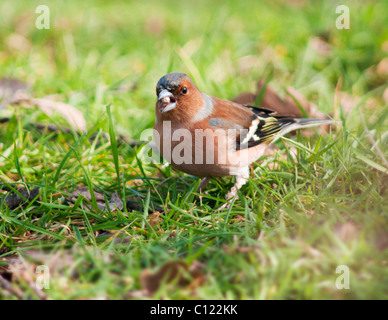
pixel 103 223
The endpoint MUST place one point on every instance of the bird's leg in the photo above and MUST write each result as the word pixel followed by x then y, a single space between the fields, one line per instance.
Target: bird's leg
pixel 202 185
pixel 241 179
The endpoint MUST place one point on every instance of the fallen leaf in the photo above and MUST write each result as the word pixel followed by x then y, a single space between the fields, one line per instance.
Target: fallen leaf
pixel 288 106
pixel 11 89
pixel 347 231
pixel 245 98
pixel 271 100
pixel 238 218
pixel 23 268
pixel 114 202
pixel 319 45
pixel 23 271
pixel 86 193
pixel 382 68
pixel 176 272
pixel 17 42
pixel 58 262
pixel 170 271
pixel 313 252
pixel 73 116
pixel 154 219
pixel 310 108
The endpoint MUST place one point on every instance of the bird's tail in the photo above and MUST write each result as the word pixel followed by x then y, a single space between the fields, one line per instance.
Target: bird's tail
pixel 288 125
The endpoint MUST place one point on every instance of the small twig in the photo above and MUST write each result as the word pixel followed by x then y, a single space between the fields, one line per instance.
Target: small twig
pixel 370 137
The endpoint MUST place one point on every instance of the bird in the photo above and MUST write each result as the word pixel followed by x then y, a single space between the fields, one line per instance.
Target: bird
pixel 210 137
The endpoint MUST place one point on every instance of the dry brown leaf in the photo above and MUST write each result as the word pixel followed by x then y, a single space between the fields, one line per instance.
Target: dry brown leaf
pixel 114 202
pixel 270 100
pixel 23 267
pixel 382 68
pixel 9 86
pixel 176 272
pixel 17 42
pixel 73 116
pixel 154 219
pixel 313 252
pixel 309 107
pixel 170 271
pixel 58 262
pixel 347 231
pixel 12 89
pixel 319 45
pixel 245 98
pixel 134 182
pixel 287 106
pixel 84 191
pixel 22 270
pixel 238 218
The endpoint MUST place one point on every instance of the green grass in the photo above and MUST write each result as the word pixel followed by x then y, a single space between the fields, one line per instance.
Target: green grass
pixel 295 222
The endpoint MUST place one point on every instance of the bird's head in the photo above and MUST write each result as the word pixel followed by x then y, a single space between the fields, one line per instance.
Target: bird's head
pixel 177 96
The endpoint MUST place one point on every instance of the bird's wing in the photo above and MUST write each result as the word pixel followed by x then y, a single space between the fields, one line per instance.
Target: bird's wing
pixel 265 126
pixel 268 126
pixel 252 125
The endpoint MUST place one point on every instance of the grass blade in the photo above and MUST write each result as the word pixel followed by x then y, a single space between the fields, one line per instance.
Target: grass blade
pixel 113 143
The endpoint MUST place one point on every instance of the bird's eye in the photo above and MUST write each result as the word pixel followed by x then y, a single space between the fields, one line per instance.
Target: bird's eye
pixel 184 90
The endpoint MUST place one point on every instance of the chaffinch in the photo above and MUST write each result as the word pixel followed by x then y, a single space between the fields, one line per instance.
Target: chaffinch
pixel 210 137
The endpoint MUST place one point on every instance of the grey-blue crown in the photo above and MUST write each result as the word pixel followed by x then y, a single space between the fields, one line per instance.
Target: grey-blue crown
pixel 170 82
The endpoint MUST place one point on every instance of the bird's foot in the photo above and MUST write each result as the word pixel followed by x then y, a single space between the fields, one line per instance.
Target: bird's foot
pixel 240 181
pixel 231 194
pixel 202 185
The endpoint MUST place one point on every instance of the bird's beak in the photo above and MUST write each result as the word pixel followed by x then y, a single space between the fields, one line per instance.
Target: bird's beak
pixel 167 101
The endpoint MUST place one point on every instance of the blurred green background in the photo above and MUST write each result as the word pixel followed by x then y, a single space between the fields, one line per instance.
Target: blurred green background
pixel 294 226
pixel 97 52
